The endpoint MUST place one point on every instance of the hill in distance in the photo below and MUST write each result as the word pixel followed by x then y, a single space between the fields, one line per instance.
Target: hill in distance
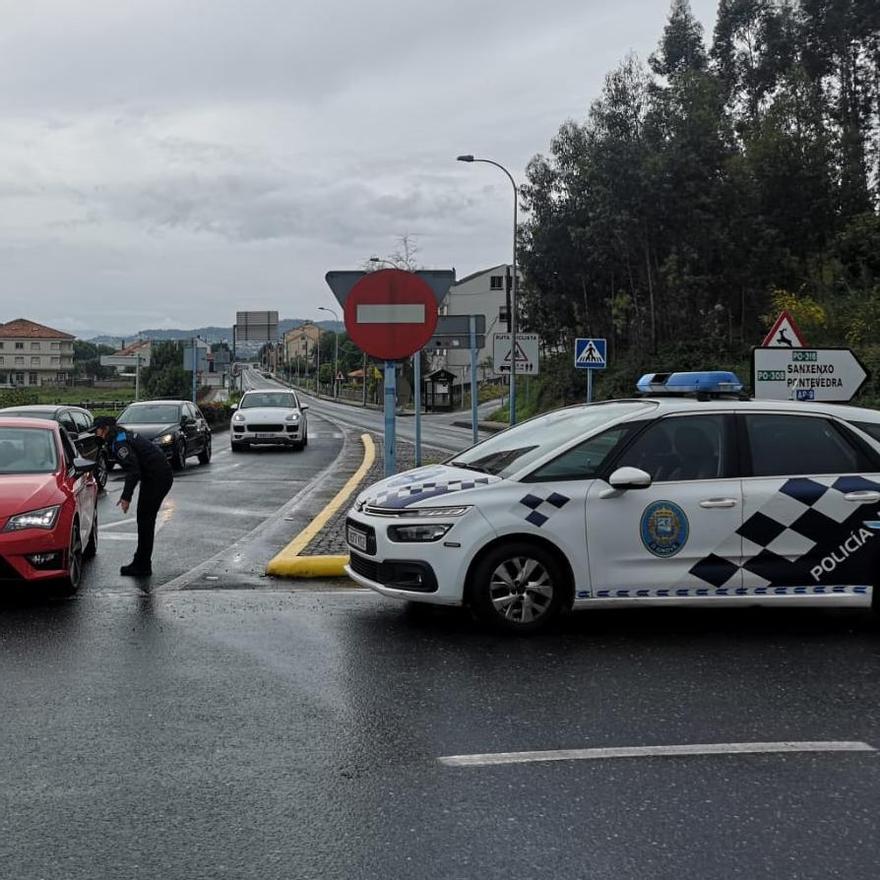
pixel 210 334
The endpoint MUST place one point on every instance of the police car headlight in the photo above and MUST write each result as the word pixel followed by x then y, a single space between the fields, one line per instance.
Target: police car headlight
pixel 293 417
pixel 33 519
pixel 438 511
pixel 420 533
pixel 238 417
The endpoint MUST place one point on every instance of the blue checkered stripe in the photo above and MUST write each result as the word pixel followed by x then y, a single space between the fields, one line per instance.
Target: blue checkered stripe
pixel 403 496
pixel 804 515
pixel 540 509
pixel 698 592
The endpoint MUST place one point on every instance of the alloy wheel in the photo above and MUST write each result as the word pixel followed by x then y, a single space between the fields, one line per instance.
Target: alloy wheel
pixel 521 589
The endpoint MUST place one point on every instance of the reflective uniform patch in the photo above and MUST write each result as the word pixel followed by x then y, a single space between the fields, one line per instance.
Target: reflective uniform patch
pixel 664 529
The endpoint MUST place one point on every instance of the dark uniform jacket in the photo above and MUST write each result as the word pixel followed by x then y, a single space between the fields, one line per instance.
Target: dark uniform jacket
pixel 139 458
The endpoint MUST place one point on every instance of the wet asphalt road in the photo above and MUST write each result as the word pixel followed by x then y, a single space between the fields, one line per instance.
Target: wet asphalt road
pixel 210 508
pixel 271 734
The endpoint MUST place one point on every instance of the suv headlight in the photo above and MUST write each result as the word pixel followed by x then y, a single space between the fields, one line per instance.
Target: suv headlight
pixel 238 417
pixel 293 417
pixel 44 518
pixel 418 533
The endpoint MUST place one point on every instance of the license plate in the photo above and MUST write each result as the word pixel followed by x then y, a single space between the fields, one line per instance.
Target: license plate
pixel 264 436
pixel 357 539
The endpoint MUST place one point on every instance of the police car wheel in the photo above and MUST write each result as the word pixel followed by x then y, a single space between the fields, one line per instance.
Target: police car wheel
pixel 518 588
pixel 102 469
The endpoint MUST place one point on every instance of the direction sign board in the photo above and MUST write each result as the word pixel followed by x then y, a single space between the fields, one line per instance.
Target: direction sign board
pixel 526 353
pixel 823 374
pixel 390 314
pixel 256 326
pixel 453 331
pixel 590 354
pixel 784 333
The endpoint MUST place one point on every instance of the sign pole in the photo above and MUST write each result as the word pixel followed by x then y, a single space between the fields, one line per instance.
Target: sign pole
pixel 473 347
pixel 417 393
pixel 137 376
pixel 194 365
pixel 589 386
pixel 364 401
pixel 390 406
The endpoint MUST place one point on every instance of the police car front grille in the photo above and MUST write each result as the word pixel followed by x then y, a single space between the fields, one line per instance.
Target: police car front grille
pixel 265 428
pixel 365 567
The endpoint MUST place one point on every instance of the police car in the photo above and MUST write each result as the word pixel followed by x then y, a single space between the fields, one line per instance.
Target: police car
pixel 688 494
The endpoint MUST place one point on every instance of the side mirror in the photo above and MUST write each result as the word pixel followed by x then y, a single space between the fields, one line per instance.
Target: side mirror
pixel 84 466
pixel 234 406
pixel 74 435
pixel 303 407
pixel 626 478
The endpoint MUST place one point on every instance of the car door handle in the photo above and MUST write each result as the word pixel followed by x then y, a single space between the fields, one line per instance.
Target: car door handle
pixel 863 497
pixel 713 503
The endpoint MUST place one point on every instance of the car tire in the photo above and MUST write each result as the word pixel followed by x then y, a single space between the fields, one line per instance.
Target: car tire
pixel 519 587
pixel 70 583
pixel 205 454
pixel 305 440
pixel 102 469
pixel 92 545
pixel 178 458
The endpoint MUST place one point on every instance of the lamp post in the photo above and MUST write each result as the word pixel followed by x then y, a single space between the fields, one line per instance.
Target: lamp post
pixel 335 350
pixel 513 322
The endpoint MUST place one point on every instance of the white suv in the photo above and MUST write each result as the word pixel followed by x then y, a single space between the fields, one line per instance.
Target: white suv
pixel 269 418
pixel 656 500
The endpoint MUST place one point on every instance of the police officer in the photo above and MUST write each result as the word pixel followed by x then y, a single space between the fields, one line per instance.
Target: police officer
pixel 143 463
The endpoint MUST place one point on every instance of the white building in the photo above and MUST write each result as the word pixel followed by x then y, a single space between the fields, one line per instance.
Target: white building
pixel 482 293
pixel 32 355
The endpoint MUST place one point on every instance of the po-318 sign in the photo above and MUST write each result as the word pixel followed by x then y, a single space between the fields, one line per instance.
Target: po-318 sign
pixel 823 374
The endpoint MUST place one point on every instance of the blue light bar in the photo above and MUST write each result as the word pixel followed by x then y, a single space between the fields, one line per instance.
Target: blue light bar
pixel 703 382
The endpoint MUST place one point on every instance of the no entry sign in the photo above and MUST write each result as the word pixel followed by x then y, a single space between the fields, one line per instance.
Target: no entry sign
pixel 391 314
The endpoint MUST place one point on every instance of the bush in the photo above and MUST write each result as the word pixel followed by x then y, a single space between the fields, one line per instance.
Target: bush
pixel 18 397
pixel 217 414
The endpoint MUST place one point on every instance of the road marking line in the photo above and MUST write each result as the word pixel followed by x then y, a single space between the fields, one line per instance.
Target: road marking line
pixel 288 562
pixel 652 752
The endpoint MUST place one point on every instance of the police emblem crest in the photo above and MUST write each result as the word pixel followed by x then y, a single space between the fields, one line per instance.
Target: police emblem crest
pixel 122 453
pixel 664 528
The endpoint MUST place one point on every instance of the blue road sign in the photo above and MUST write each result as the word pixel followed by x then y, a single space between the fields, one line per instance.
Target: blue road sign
pixel 590 354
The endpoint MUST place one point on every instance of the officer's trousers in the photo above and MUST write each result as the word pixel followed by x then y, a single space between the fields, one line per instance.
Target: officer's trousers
pixel 152 492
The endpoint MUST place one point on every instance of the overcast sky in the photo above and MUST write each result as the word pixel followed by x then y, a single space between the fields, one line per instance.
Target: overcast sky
pixel 166 162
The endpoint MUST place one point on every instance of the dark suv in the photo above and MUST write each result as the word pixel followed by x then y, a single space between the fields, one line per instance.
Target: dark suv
pixel 78 423
pixel 177 427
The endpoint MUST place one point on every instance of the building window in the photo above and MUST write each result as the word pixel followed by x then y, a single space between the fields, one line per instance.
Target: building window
pixel 1 345
pixel 496 282
pixel 19 346
pixel 19 362
pixel 56 361
pixel 19 378
pixel 34 379
pixel 56 346
pixel 62 378
pixel 35 346
pixel 2 360
pixel 35 361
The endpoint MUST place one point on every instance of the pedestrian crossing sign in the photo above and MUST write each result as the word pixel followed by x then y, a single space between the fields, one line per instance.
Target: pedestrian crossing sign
pixel 590 354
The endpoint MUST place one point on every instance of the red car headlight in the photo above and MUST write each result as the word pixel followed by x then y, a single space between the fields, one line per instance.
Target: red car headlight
pixel 45 518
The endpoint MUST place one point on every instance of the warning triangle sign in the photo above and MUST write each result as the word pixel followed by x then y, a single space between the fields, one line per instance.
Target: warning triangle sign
pixel 590 355
pixel 521 356
pixel 785 333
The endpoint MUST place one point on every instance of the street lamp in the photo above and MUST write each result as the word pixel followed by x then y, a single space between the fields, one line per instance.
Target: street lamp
pixel 335 350
pixel 513 348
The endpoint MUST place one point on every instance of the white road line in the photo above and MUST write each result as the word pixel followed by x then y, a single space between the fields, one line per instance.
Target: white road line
pixel 653 752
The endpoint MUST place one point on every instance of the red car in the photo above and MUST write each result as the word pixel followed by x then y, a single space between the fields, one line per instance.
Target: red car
pixel 48 505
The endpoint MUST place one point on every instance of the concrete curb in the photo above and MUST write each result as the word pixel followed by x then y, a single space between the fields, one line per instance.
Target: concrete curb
pixel 288 563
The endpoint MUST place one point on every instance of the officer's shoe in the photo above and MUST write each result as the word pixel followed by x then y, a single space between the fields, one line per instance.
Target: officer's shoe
pixel 135 569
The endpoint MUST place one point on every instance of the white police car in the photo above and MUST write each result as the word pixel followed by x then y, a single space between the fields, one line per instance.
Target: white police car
pixel 667 498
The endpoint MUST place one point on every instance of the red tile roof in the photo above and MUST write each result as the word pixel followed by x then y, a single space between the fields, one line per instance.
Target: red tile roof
pixel 21 328
pixel 135 347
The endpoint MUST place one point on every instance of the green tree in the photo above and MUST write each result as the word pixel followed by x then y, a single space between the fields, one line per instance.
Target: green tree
pixel 165 377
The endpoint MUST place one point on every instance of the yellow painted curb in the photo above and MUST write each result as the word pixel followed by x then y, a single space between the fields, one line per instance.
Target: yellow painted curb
pixel 288 563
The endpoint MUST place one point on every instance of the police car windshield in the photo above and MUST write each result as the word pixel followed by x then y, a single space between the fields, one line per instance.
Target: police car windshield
pixel 27 451
pixel 147 414
pixel 278 399
pixel 522 445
